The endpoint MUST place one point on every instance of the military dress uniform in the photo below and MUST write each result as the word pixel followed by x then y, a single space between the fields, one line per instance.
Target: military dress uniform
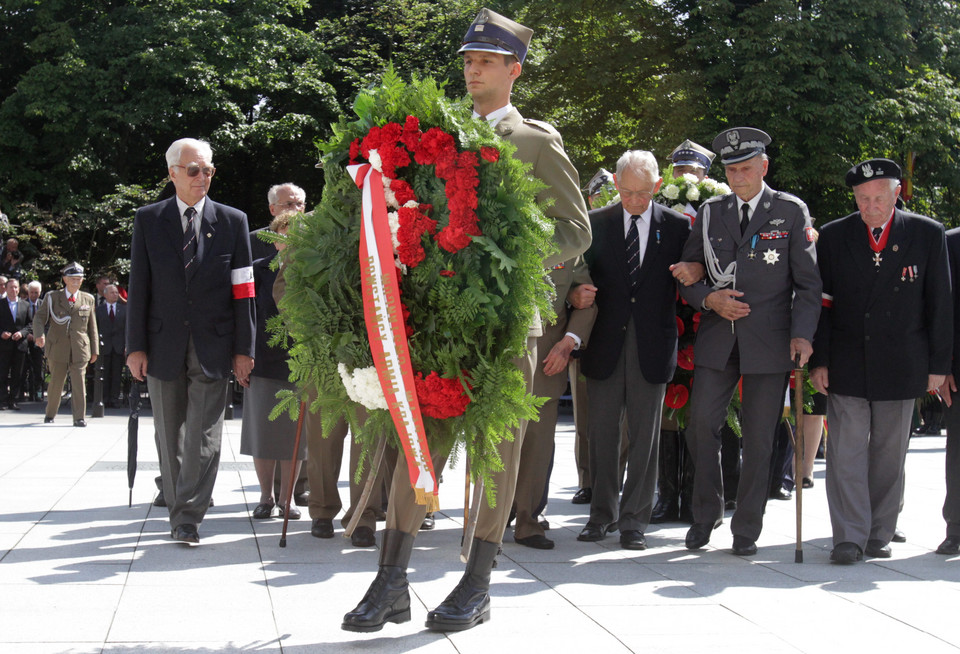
pixel 773 262
pixel 539 144
pixel 887 325
pixel 70 329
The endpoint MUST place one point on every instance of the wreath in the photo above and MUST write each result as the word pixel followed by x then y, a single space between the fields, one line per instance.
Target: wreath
pixel 468 245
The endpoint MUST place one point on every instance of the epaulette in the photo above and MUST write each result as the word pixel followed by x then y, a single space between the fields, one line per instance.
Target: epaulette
pixel 782 195
pixel 539 124
pixel 715 198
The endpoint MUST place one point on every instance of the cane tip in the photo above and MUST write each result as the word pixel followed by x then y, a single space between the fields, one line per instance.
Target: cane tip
pixel 798 558
pixel 283 542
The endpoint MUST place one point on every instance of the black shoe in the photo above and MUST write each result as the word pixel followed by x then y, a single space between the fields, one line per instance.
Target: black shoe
pixel 544 524
pixel 730 505
pixel 743 546
pixel 301 499
pixel 363 537
pixel 185 534
pixel 80 423
pixel 537 542
pixel 899 536
pixel 846 553
pixel 665 511
pixel 469 603
pixel 632 539
pixel 159 500
pixel 877 549
pixel 47 420
pixel 808 482
pixel 781 494
pixel 388 598
pixel 14 406
pixel 429 522
pixel 322 528
pixel 293 514
pixel 699 534
pixel 950 546
pixel 583 496
pixel 265 510
pixel 592 532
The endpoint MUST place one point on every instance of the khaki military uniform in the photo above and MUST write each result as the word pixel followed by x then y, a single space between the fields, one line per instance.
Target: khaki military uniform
pixel 71 340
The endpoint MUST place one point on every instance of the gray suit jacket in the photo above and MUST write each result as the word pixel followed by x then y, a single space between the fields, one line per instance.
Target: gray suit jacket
pixel 776 271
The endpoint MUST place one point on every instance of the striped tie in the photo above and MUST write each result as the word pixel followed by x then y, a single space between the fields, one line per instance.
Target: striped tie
pixel 633 251
pixel 189 240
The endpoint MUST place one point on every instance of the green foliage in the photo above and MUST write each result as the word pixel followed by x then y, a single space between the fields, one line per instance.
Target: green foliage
pixel 470 326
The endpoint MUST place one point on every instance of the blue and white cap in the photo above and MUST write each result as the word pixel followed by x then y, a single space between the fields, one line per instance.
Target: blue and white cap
pixel 491 32
pixel 689 153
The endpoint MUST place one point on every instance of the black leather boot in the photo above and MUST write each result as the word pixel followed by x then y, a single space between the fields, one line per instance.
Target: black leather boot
pixel 686 482
pixel 667 508
pixel 469 603
pixel 388 598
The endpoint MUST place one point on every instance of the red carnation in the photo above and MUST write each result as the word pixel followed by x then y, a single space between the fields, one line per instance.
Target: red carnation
pixel 403 191
pixel 490 154
pixel 354 150
pixel 439 397
pixel 447 273
pixel 676 396
pixel 685 358
pixel 696 322
pixel 411 133
pixel 680 327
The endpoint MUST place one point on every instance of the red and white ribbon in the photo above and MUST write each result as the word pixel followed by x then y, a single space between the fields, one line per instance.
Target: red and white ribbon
pixel 388 338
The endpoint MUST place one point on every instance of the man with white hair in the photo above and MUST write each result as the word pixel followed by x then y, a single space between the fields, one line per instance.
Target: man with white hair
pixel 633 345
pixel 280 198
pixel 33 361
pixel 190 320
pixel 885 338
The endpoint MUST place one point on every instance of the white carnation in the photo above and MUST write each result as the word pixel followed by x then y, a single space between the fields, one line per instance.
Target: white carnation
pixel 393 218
pixel 693 194
pixel 691 178
pixel 374 159
pixel 723 188
pixel 411 204
pixel 671 191
pixel 363 386
pixel 679 208
pixel 388 194
pixel 710 184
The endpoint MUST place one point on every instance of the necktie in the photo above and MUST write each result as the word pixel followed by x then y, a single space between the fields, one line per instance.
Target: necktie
pixel 72 299
pixel 13 310
pixel 633 250
pixel 189 240
pixel 744 218
pixel 877 233
pixel 110 307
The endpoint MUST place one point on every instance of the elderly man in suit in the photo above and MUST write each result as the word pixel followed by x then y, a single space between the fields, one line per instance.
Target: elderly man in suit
pixel 760 307
pixel 112 325
pixel 951 501
pixel 884 339
pixel 32 382
pixel 190 320
pixel 14 329
pixel 66 320
pixel 493 52
pixel 634 345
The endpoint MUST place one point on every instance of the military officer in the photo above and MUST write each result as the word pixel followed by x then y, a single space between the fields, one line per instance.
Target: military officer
pixel 760 303
pixel 493 52
pixel 65 326
pixel 691 158
pixel 885 338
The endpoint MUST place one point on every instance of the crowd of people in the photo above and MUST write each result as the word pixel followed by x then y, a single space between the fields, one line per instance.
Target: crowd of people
pixel 865 304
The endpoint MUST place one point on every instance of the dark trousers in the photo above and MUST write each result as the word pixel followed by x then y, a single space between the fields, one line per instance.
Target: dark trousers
pixel 951 503
pixel 11 364
pixel 112 363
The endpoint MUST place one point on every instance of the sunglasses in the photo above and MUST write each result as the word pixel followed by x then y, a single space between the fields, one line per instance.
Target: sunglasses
pixel 193 170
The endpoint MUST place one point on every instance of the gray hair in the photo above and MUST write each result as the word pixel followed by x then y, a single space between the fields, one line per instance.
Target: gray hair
pixel 202 147
pixel 35 284
pixel 297 191
pixel 641 163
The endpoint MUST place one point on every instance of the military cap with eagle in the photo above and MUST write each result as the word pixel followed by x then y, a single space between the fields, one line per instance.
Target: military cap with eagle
pixel 872 169
pixel 491 32
pixel 689 153
pixel 740 144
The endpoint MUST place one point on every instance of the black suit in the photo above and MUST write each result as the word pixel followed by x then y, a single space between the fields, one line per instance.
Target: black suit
pixel 33 362
pixel 887 325
pixel 632 355
pixel 951 503
pixel 11 356
pixel 190 329
pixel 113 345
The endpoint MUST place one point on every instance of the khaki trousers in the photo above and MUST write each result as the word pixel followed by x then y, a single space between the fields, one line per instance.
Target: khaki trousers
pixel 58 377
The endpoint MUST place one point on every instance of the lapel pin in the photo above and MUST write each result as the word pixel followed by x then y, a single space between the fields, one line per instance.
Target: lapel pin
pixel 208 234
pixel 896 247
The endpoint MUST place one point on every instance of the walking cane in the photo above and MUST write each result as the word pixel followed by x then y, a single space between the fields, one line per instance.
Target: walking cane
pixel 293 475
pixel 798 454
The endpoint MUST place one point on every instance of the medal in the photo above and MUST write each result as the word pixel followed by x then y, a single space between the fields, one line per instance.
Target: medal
pixel 753 247
pixel 771 257
pixel 878 245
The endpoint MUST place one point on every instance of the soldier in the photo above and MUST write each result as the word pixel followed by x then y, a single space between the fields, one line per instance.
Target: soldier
pixel 67 320
pixel 493 52
pixel 884 339
pixel 760 305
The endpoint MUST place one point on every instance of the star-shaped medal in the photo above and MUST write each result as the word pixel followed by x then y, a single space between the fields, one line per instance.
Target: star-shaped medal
pixel 771 257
